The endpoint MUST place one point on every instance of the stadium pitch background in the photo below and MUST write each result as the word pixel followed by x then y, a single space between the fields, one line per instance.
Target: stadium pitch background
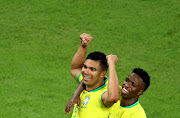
pixel 38 39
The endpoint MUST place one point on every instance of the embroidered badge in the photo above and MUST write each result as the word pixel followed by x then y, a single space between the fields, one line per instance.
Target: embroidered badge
pixel 86 100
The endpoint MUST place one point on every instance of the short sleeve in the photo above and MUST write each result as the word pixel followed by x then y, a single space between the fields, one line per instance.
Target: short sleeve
pixel 80 77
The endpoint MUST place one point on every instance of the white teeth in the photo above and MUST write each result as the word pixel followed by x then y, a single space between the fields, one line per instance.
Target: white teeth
pixel 86 77
pixel 125 90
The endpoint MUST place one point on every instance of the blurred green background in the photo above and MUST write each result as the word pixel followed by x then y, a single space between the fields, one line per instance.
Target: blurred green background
pixel 38 39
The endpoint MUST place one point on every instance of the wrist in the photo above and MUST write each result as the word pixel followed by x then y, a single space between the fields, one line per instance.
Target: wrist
pixel 111 64
pixel 83 46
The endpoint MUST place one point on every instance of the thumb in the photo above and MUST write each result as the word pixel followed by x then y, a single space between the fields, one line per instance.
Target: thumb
pixel 78 103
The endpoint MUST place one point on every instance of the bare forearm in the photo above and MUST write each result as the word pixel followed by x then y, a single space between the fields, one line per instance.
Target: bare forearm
pixel 79 57
pixel 112 94
pixel 113 84
pixel 75 99
pixel 79 89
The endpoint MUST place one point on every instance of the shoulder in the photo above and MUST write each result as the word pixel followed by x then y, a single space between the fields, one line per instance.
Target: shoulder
pixel 137 112
pixel 141 111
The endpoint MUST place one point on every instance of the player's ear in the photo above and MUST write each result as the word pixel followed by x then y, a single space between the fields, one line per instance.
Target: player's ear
pixel 103 74
pixel 140 92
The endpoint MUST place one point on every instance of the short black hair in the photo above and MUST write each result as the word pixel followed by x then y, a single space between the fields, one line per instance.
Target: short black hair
pixel 99 56
pixel 144 76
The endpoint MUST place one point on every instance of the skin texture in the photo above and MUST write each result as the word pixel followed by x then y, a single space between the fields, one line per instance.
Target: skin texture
pixel 80 56
pixel 132 88
pixel 75 98
pixel 111 96
pixel 93 74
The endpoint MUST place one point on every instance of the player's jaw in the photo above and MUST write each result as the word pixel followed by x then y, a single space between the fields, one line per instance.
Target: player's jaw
pixel 91 81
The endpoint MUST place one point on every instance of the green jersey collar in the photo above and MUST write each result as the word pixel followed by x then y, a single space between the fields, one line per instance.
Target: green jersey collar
pixel 130 106
pixel 99 88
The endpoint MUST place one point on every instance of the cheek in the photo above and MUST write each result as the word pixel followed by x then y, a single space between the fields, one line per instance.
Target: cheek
pixel 96 75
pixel 82 70
pixel 126 84
pixel 135 90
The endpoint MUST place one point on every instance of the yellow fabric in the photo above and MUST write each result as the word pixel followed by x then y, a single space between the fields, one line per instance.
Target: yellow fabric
pixel 133 111
pixel 95 108
pixel 91 104
pixel 80 77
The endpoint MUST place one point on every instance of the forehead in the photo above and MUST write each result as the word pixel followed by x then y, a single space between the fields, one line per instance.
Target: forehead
pixel 135 78
pixel 92 63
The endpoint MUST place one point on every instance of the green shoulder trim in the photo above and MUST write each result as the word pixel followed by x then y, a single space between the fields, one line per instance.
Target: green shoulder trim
pixel 102 100
pixel 79 77
pixel 106 80
pixel 136 103
pixel 99 88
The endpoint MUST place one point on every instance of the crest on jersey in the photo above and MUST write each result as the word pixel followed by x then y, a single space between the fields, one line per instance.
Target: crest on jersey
pixel 86 100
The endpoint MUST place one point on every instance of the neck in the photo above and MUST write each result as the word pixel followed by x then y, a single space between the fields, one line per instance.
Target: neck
pixel 128 102
pixel 90 88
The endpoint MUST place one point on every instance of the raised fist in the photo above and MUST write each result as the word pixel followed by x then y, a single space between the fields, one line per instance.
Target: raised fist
pixel 85 39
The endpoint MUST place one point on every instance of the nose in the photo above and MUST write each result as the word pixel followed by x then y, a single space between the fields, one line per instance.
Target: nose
pixel 85 71
pixel 126 84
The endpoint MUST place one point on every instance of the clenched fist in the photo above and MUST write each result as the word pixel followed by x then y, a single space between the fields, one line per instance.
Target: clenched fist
pixel 111 59
pixel 85 39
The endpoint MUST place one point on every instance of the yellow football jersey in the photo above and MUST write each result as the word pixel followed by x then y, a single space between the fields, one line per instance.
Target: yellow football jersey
pixel 91 105
pixel 133 111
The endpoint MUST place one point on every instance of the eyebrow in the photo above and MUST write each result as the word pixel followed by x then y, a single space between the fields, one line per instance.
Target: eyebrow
pixel 89 67
pixel 131 81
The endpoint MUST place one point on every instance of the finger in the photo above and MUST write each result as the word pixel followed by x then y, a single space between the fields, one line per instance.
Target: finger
pixel 88 39
pixel 83 39
pixel 106 57
pixel 78 103
pixel 70 108
pixel 67 109
pixel 81 36
pixel 88 35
